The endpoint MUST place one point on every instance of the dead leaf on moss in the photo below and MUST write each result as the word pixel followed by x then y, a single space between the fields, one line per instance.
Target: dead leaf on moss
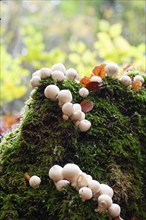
pixel 87 106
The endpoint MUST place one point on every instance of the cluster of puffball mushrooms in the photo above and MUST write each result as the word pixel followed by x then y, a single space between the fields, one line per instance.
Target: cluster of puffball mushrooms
pixel 64 97
pixel 86 186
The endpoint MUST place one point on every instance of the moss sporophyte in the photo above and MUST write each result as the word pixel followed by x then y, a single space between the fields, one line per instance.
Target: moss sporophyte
pixel 79 151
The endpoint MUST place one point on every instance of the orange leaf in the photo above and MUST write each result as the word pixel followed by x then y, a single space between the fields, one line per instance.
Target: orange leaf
pixel 99 70
pixel 87 106
pixel 85 80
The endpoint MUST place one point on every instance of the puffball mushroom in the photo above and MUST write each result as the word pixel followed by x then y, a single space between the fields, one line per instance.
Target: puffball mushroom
pixel 36 73
pixel 60 184
pixel 82 181
pixel 59 66
pixel 64 96
pixel 71 74
pixel 51 92
pixel 126 80
pixel 105 189
pixel 70 172
pixel 55 173
pixel 76 107
pixel 94 186
pixel 35 81
pixel 84 125
pixel 45 73
pixel 67 108
pixel 114 210
pixel 104 202
pixel 96 79
pixel 83 92
pixel 111 69
pixel 78 116
pixel 57 75
pixel 85 193
pixel 139 78
pixel 34 182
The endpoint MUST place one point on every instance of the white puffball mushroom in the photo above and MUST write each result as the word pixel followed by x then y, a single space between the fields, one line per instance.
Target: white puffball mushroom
pixel 34 181
pixel 105 189
pixel 51 92
pixel 82 181
pixel 45 73
pixel 96 79
pixel 94 186
pixel 65 117
pixel 126 80
pixel 60 184
pixel 35 81
pixel 55 173
pixel 58 75
pixel 67 108
pixel 78 116
pixel 64 96
pixel 60 67
pixel 104 202
pixel 114 210
pixel 36 73
pixel 83 92
pixel 85 193
pixel 84 125
pixel 139 78
pixel 77 106
pixel 111 69
pixel 71 74
pixel 70 171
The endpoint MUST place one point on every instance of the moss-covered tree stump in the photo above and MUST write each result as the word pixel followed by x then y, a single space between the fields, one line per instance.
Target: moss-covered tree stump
pixel 112 151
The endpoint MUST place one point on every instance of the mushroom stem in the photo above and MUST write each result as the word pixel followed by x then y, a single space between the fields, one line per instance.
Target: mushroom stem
pixel 26 176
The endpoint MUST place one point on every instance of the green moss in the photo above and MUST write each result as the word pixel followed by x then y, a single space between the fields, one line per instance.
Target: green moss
pixel 112 151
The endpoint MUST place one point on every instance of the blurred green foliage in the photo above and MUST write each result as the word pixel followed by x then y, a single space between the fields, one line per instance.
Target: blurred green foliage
pixel 81 34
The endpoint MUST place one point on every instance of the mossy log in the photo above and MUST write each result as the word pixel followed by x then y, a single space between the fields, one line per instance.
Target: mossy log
pixel 112 151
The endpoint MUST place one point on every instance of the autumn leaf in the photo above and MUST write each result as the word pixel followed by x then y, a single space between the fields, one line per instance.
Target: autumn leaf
pixel 85 80
pixel 87 106
pixel 99 71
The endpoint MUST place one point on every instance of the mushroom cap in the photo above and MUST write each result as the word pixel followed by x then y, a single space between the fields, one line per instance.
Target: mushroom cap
pixel 51 92
pixel 83 92
pixel 96 79
pixel 60 184
pixel 71 74
pixel 65 117
pixel 36 73
pixel 114 210
pixel 94 186
pixel 78 115
pixel 32 93
pixel 57 75
pixel 59 66
pixel 64 96
pixel 35 81
pixel 34 181
pixel 105 189
pixel 85 193
pixel 67 108
pixel 45 73
pixel 55 173
pixel 138 77
pixel 111 69
pixel 77 106
pixel 126 80
pixel 70 171
pixel 104 202
pixel 84 125
pixel 82 180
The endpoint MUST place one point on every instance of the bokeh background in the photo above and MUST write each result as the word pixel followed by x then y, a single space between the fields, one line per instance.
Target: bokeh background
pixel 78 33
